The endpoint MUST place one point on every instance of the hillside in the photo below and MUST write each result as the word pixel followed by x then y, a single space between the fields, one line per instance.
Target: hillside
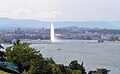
pixel 7 23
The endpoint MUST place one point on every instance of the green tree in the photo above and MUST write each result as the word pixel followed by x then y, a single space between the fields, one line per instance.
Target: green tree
pixel 76 72
pixel 56 70
pixel 50 60
pixel 22 55
pixel 74 65
pixel 65 69
pixel 99 71
pixel 41 67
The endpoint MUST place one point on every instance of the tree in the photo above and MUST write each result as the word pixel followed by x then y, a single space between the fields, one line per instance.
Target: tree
pixel 76 72
pixel 2 56
pixel 99 71
pixel 56 70
pixel 102 71
pixel 22 55
pixel 65 69
pixel 50 60
pixel 74 65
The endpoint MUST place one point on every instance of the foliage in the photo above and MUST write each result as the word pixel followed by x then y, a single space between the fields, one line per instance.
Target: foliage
pixel 74 65
pixel 56 70
pixel 65 69
pixel 2 56
pixel 30 61
pixel 50 60
pixel 22 55
pixel 99 71
pixel 76 72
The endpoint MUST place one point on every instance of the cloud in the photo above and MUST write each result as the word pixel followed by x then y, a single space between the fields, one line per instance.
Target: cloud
pixel 28 14
pixel 21 13
pixel 71 9
pixel 50 14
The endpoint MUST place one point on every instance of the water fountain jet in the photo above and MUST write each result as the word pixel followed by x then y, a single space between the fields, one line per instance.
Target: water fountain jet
pixel 52 36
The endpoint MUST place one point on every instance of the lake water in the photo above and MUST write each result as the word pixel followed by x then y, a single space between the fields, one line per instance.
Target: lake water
pixel 93 54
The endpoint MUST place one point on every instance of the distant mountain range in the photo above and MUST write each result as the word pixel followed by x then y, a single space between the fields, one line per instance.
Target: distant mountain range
pixel 8 23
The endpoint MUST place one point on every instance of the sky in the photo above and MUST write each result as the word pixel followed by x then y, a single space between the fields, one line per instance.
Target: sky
pixel 61 10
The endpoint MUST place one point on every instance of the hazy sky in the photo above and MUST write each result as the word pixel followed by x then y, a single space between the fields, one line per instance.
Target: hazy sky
pixel 61 10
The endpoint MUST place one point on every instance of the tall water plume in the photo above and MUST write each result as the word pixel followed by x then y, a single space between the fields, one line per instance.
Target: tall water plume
pixel 52 33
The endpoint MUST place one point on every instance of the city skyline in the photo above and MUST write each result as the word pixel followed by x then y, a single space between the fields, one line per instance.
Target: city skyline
pixel 61 10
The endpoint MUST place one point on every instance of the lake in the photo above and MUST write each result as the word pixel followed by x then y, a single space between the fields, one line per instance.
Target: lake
pixel 93 54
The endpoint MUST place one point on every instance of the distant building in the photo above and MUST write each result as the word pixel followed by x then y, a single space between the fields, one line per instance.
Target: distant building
pixel 18 31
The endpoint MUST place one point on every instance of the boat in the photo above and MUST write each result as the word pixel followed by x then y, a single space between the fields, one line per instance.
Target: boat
pixel 58 49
